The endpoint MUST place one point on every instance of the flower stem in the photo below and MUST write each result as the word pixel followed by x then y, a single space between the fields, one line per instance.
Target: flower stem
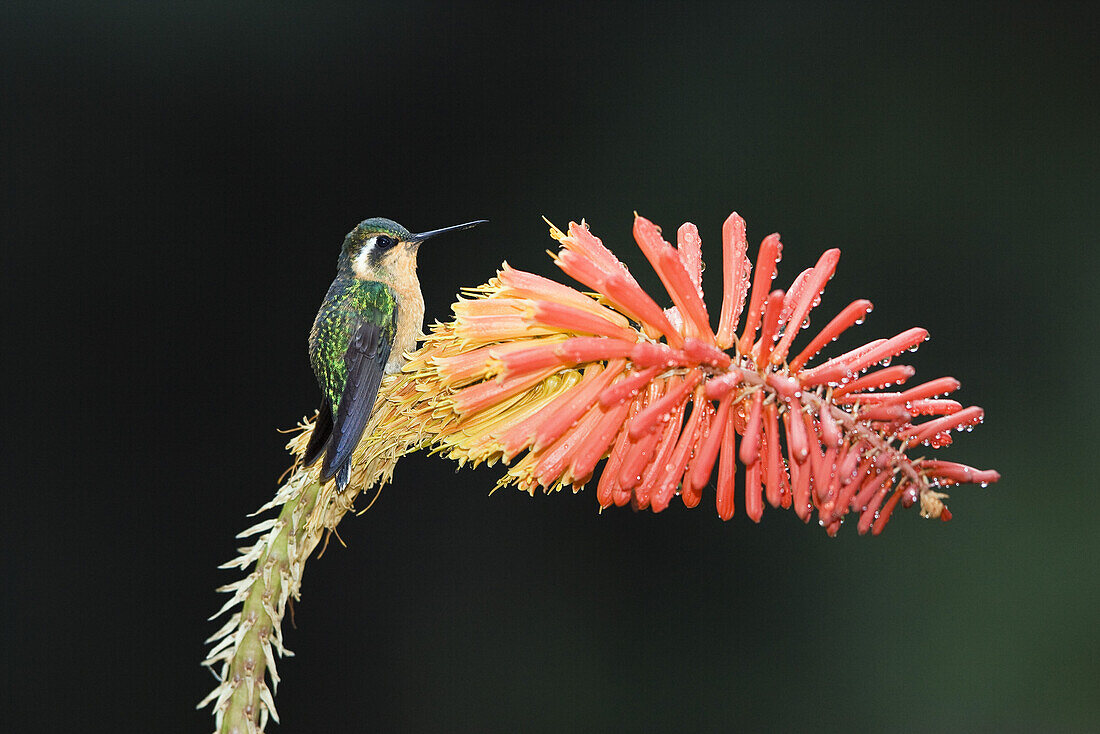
pixel 246 644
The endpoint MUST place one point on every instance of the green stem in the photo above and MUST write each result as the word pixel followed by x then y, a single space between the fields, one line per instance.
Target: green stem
pixel 246 644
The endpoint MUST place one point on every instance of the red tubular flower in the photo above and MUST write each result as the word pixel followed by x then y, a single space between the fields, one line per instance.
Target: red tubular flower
pixel 532 365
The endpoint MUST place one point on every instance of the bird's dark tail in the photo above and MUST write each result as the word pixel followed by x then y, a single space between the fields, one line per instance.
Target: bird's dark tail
pixel 322 429
pixel 318 445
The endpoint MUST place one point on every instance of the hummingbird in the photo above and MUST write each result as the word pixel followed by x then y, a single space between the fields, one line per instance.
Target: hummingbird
pixel 370 317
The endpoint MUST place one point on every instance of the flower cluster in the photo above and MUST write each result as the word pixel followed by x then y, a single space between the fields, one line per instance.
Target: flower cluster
pixel 532 367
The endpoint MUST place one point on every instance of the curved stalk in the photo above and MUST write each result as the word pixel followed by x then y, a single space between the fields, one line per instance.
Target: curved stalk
pixel 246 644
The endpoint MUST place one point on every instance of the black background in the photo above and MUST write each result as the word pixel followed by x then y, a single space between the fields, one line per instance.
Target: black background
pixel 177 182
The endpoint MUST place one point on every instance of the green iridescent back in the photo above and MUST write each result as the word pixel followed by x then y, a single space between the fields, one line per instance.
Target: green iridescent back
pixel 348 304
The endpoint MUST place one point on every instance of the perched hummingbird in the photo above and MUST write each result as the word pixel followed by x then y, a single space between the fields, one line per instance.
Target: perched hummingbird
pixel 369 319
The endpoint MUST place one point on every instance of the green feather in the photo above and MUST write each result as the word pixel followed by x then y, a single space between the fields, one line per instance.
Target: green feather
pixel 348 304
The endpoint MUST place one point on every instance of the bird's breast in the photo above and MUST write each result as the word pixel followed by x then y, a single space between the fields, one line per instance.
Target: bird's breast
pixel 410 321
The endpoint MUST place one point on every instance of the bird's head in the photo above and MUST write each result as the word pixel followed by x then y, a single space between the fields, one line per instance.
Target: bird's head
pixel 381 249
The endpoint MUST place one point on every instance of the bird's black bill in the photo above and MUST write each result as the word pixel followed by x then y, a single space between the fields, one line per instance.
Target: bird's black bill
pixel 421 236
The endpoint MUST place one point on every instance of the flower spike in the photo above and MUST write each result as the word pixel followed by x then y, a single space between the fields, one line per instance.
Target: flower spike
pixel 550 380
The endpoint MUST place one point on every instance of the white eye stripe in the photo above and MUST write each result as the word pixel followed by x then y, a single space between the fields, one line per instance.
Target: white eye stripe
pixel 362 260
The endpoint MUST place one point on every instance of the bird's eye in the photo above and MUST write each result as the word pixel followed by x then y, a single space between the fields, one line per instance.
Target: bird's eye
pixel 384 242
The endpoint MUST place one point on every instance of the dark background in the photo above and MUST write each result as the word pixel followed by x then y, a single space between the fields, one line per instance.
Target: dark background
pixel 177 182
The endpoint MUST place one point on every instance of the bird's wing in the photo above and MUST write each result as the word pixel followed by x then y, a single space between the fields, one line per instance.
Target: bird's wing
pixel 366 357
